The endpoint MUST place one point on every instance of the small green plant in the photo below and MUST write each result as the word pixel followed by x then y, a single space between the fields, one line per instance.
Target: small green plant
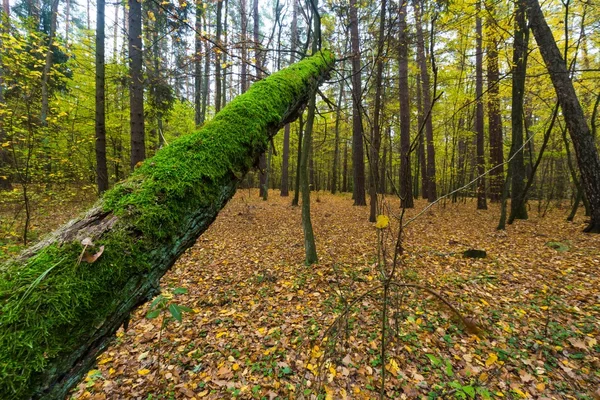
pixel 162 304
pixel 165 302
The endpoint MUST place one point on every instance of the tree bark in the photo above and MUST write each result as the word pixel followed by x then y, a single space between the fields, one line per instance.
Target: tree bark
pixel 5 181
pixel 426 93
pixel 101 168
pixel 198 64
pixel 358 155
pixel 518 209
pixel 218 57
pixel 244 50
pixel 286 134
pixel 406 195
pixel 136 85
pixel 494 117
pixel 48 64
pixel 481 197
pixel 144 224
pixel 581 136
pixel 376 133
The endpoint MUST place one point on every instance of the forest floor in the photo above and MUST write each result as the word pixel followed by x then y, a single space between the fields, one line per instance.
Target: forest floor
pixel 265 326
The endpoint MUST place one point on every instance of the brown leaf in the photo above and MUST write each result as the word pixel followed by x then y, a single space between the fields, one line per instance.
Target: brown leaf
pixel 91 258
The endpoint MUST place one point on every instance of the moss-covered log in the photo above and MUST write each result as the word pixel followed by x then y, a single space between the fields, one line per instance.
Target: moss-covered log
pixel 57 312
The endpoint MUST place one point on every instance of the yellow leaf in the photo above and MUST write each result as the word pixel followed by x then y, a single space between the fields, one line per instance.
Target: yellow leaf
pixel 392 367
pixel 541 386
pixel 105 360
pixel 483 377
pixel 491 359
pixel 235 366
pixel 143 372
pixel 328 393
pixel 151 16
pixel 382 222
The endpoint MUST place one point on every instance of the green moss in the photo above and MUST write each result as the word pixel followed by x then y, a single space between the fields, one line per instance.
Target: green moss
pixel 51 305
pixel 188 173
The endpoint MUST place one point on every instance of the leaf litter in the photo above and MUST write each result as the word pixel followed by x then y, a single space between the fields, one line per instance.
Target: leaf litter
pixel 265 326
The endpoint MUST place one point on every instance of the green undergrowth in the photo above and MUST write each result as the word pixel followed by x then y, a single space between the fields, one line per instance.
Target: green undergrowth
pixel 51 305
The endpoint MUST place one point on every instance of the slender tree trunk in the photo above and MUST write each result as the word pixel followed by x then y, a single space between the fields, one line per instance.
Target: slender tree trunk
pixel 310 248
pixel 5 180
pixel 581 136
pixel 376 133
pixel 494 116
pixel 406 195
pixel 218 57
pixel 198 64
pixel 224 43
pixel 68 21
pixel 262 163
pixel 427 104
pixel 286 133
pixel 358 158
pixel 336 145
pixel 481 197
pixel 48 64
pixel 421 150
pixel 136 86
pixel 345 168
pixel 116 34
pixel 206 82
pixel 244 50
pixel 296 199
pixel 101 168
pixel 518 209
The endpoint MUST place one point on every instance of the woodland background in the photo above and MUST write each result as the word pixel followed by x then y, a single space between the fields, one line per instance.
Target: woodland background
pixel 426 97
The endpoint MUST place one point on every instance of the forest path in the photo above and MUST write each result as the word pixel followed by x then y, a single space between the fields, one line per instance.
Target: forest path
pixel 259 313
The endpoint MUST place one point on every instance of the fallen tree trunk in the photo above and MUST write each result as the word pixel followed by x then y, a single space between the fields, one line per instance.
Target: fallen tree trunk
pixel 58 312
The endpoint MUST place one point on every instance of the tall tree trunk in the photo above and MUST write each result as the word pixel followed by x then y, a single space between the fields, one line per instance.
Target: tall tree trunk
pixel 244 49
pixel 336 144
pixel 68 21
pixel 296 199
pixel 198 64
pixel 218 57
pixel 376 133
pixel 143 225
pixel 581 136
pixel 101 168
pixel 286 134
pixel 262 163
pixel 206 82
pixel 406 195
pixel 224 60
pixel 136 85
pixel 421 149
pixel 5 181
pixel 518 209
pixel 358 156
pixel 481 197
pixel 427 104
pixel 345 168
pixel 310 248
pixel 48 64
pixel 494 116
